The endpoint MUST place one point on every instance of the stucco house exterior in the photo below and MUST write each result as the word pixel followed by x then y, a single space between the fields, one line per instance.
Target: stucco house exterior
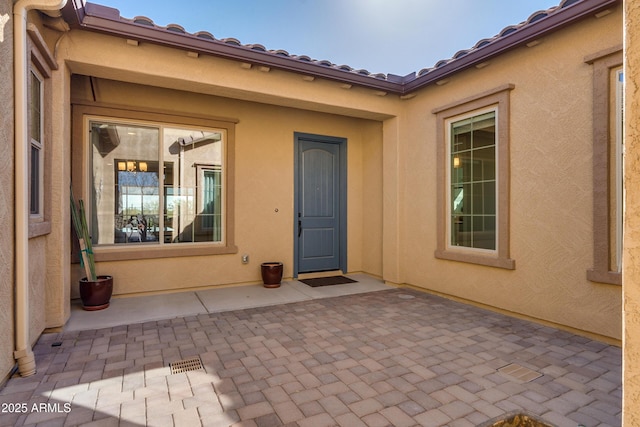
pixel 494 177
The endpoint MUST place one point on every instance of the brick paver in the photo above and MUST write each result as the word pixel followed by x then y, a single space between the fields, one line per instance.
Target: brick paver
pixel 394 357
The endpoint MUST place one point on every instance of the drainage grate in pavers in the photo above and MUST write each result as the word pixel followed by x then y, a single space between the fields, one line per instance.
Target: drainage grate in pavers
pixel 519 373
pixel 186 365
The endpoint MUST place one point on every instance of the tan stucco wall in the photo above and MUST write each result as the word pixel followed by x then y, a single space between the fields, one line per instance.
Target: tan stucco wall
pixel 158 66
pixel 631 256
pixel 392 170
pixel 58 259
pixel 48 263
pixel 270 106
pixel 37 287
pixel 6 188
pixel 264 172
pixel 551 229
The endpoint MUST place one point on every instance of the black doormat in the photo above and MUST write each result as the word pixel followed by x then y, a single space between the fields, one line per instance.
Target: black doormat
pixel 327 281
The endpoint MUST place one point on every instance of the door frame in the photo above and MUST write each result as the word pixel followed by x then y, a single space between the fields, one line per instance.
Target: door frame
pixel 342 196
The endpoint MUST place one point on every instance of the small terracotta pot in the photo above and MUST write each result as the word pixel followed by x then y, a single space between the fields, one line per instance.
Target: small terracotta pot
pixel 96 295
pixel 271 274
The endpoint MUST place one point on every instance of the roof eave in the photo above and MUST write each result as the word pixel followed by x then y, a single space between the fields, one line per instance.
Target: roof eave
pixel 106 20
pixel 522 36
pixel 93 17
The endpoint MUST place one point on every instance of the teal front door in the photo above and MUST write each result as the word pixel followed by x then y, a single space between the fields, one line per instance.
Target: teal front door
pixel 320 204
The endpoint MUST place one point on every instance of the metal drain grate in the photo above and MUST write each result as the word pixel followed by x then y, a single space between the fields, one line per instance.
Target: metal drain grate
pixel 186 365
pixel 519 373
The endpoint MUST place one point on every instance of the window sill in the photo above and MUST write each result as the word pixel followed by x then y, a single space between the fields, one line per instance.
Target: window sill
pixel 119 253
pixel 608 277
pixel 37 229
pixel 505 263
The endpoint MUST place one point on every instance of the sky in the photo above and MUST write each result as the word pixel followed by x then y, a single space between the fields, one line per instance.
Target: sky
pixel 380 36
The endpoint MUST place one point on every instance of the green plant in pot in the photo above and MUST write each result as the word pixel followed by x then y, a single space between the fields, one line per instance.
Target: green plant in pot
pixel 95 291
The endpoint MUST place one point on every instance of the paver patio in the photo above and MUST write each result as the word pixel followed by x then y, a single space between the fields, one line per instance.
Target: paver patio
pixel 388 358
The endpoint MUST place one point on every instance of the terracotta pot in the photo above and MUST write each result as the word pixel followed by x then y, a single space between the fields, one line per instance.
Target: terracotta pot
pixel 271 274
pixel 96 295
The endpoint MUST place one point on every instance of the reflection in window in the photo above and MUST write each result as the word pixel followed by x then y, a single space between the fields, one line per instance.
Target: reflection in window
pixel 618 155
pixel 473 182
pixel 137 201
pixel 211 214
pixel 36 137
pixel 148 184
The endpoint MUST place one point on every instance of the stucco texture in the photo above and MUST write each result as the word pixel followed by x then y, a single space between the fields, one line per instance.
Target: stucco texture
pixel 631 257
pixel 551 227
pixel 6 189
pixel 37 289
pixel 264 173
pixel 392 169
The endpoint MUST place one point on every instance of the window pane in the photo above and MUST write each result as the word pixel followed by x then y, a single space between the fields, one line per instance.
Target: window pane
pixel 484 164
pixel 461 199
pixel 212 204
pixel 125 199
pixel 473 182
pixel 34 181
pixel 616 175
pixel 145 192
pixel 35 137
pixel 461 136
pixel 484 232
pixel 485 192
pixel 461 167
pixel 35 119
pixel 484 130
pixel 193 209
pixel 461 230
pixel 137 201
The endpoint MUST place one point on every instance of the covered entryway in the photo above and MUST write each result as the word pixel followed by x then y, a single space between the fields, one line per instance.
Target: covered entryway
pixel 320 204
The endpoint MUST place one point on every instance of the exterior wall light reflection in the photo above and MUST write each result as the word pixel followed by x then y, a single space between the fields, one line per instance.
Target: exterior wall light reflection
pixel 132 166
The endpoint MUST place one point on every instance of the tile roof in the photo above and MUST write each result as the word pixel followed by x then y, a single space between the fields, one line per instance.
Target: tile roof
pixel 536 16
pixel 105 19
pixel 143 20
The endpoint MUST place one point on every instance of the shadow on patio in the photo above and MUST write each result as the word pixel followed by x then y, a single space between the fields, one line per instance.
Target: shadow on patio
pixel 394 357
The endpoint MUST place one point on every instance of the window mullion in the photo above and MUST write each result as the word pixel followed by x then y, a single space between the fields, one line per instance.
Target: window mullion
pixel 161 187
pixel 470 204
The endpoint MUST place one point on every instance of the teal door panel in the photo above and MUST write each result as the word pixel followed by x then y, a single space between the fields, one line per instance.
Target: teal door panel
pixel 319 205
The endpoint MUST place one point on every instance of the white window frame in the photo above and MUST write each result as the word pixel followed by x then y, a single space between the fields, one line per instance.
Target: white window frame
pixel 449 124
pixel 81 151
pixel 499 99
pixel 160 126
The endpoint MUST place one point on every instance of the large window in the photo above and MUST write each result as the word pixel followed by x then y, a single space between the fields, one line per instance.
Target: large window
pixel 472 173
pixel 156 184
pixel 473 177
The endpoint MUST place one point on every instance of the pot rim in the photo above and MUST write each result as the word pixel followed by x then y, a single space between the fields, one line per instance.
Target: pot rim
pixel 100 278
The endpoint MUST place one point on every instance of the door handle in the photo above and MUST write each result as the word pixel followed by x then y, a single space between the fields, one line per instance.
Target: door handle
pixel 299 228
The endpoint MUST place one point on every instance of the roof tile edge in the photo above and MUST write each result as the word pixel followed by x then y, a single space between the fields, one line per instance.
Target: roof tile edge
pixel 95 17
